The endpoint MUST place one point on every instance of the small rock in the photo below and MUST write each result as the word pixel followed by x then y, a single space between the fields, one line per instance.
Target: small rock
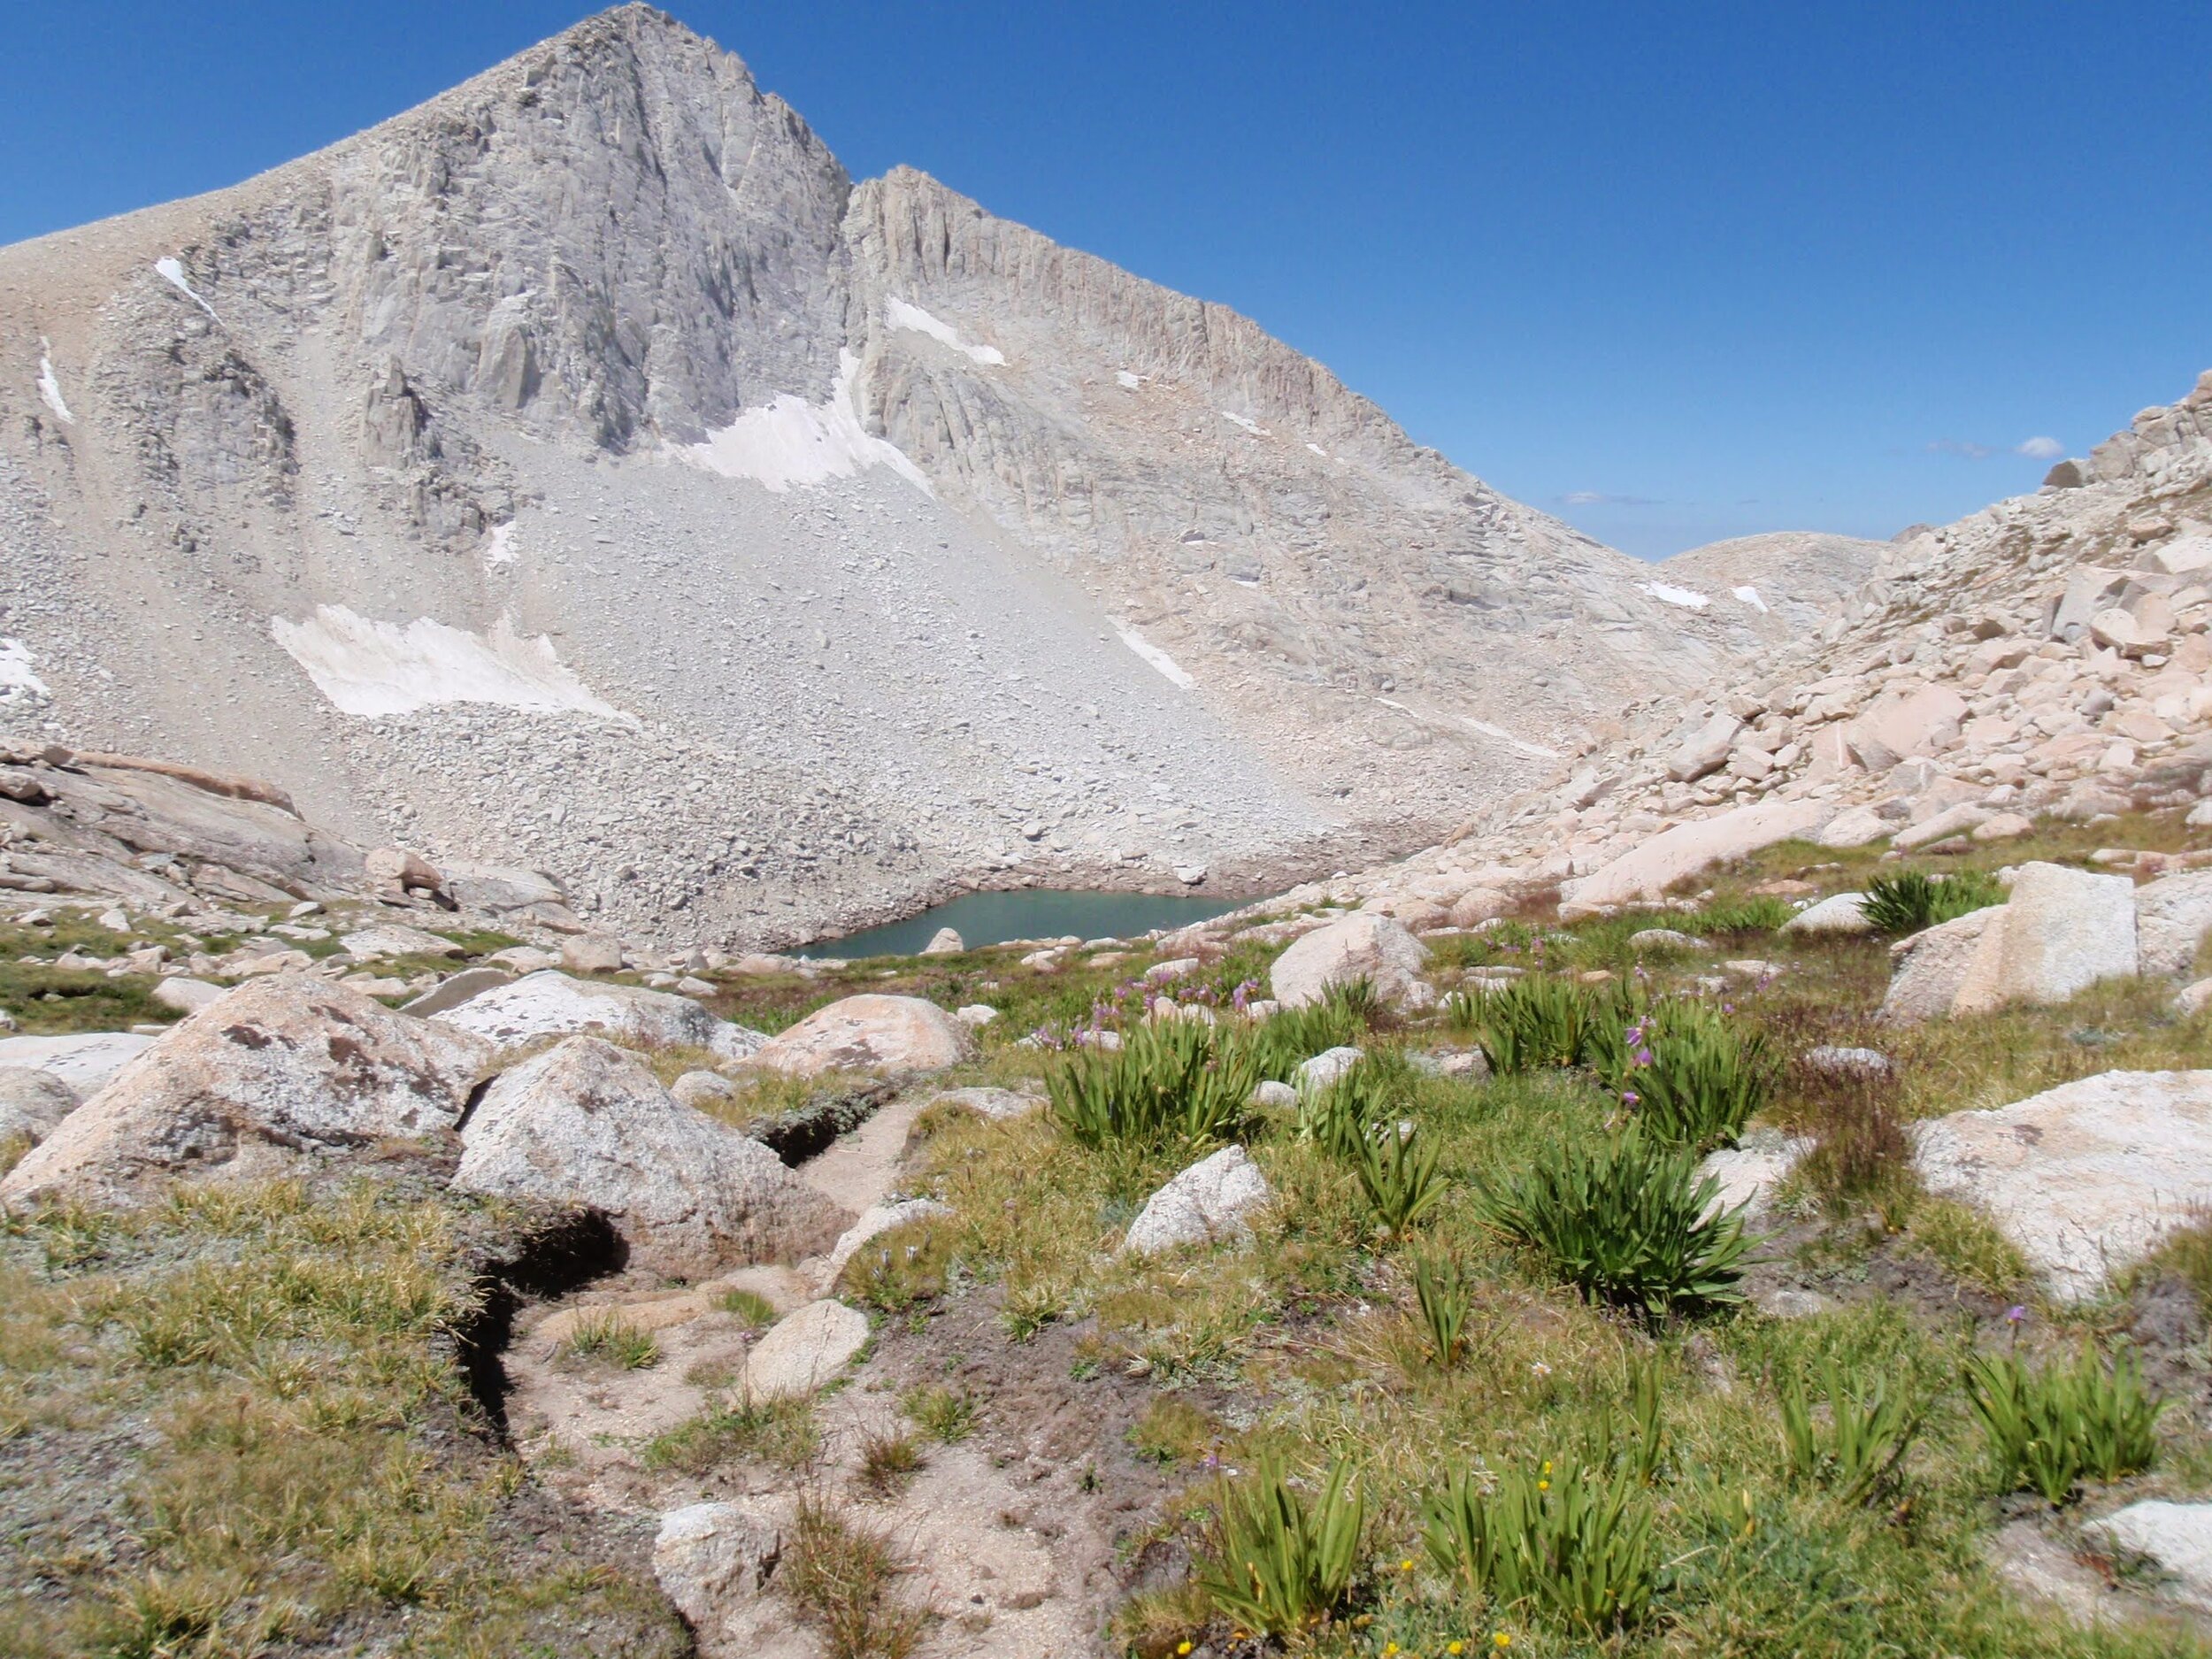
pixel 714 1561
pixel 1272 1096
pixel 945 942
pixel 32 1102
pixel 1190 875
pixel 805 1350
pixel 1206 1202
pixel 453 990
pixel 698 1088
pixel 186 995
pixel 1841 913
pixel 1752 968
pixel 870 1033
pixel 975 1015
pixel 1180 968
pixel 1310 1077
pixel 2002 826
pixel 1838 1062
pixel 1666 939
pixel 592 953
pixel 990 1102
pixel 2193 999
pixel 2176 1538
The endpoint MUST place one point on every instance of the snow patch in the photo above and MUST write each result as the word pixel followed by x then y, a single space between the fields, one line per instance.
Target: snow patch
pixel 1132 381
pixel 1504 736
pixel 1318 450
pixel 16 677
pixel 900 314
pixel 1674 595
pixel 790 440
pixel 170 269
pixel 1248 422
pixel 369 668
pixel 49 388
pixel 1750 597
pixel 501 551
pixel 1154 655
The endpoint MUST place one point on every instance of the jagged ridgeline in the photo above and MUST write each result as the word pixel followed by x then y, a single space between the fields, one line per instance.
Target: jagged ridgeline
pixel 583 471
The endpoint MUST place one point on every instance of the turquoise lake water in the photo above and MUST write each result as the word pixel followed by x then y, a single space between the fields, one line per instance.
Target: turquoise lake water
pixel 991 918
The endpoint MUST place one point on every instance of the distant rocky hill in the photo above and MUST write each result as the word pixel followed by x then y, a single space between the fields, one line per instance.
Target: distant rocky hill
pixel 2051 653
pixel 583 472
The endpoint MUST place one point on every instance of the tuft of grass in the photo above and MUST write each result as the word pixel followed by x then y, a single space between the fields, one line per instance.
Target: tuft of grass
pixel 1281 1562
pixel 888 1463
pixel 1173 1433
pixel 1754 913
pixel 840 1575
pixel 2051 1428
pixel 1856 1449
pixel 1531 1023
pixel 1177 1083
pixel 780 1431
pixel 901 1267
pixel 1694 1077
pixel 1396 1171
pixel 1628 1222
pixel 1340 1020
pixel 608 1339
pixel 749 1308
pixel 946 1415
pixel 1575 1546
pixel 1441 1292
pixel 1912 900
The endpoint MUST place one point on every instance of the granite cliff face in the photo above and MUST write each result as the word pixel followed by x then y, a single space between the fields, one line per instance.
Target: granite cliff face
pixel 581 472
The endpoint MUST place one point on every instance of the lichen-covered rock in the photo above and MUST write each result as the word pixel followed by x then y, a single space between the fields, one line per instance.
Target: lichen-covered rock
pixel 1206 1202
pixel 32 1102
pixel 895 1035
pixel 281 1069
pixel 549 1004
pixel 586 1122
pixel 1361 947
pixel 2083 1179
pixel 2172 916
pixel 805 1351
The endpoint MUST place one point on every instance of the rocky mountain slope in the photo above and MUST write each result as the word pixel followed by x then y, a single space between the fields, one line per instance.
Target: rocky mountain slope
pixel 581 471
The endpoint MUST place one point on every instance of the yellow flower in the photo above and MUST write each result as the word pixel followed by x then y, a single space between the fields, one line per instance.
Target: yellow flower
pixel 1389 1647
pixel 1455 1646
pixel 1501 1642
pixel 1406 1566
pixel 1182 1646
pixel 1543 1485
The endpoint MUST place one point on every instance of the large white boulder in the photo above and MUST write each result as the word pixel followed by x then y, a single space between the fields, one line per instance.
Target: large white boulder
pixel 2083 1179
pixel 586 1122
pixel 805 1351
pixel 896 1035
pixel 1206 1202
pixel 1839 914
pixel 2175 1538
pixel 1365 946
pixel 1671 856
pixel 716 1563
pixel 1927 970
pixel 1898 724
pixel 32 1102
pixel 2172 916
pixel 549 1004
pixel 281 1069
pixel 84 1060
pixel 2060 931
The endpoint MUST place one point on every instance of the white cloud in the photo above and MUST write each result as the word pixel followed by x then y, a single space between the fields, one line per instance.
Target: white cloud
pixel 2041 448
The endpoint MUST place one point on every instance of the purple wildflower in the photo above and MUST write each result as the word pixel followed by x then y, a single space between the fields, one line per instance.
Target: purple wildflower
pixel 1630 1097
pixel 2015 1314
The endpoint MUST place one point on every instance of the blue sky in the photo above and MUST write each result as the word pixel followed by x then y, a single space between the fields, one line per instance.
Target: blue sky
pixel 1674 272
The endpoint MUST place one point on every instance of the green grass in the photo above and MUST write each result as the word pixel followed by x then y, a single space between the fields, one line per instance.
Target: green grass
pixel 946 1415
pixel 301 1463
pixel 54 1002
pixel 729 1431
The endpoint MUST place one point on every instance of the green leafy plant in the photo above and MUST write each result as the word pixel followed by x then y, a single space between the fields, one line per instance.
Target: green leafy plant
pixel 1176 1081
pixel 1639 1457
pixel 1342 1118
pixel 1396 1169
pixel 1441 1290
pixel 608 1339
pixel 1628 1221
pixel 945 1415
pixel 1283 1040
pixel 1280 1563
pixel 1577 1549
pixel 1759 913
pixel 1531 1023
pixel 1864 1438
pixel 2048 1429
pixel 1906 903
pixel 1694 1076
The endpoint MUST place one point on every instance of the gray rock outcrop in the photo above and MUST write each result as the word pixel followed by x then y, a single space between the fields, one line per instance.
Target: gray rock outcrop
pixel 281 1070
pixel 586 1122
pixel 1206 1203
pixel 1363 947
pixel 550 1004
